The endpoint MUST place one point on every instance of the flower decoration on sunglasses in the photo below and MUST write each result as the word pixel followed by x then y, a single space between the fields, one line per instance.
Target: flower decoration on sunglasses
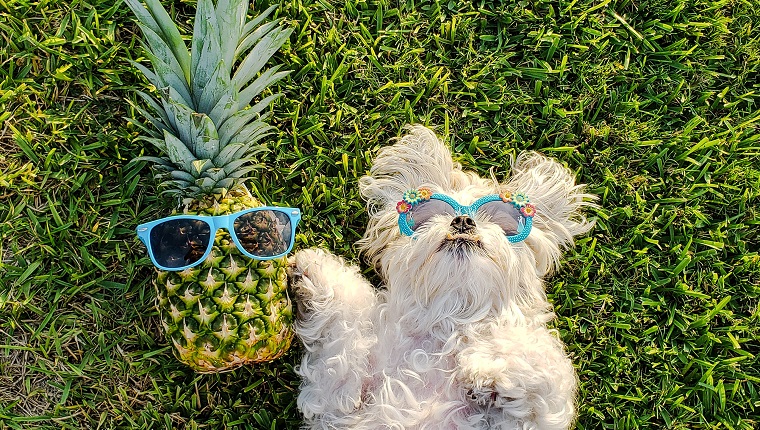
pixel 528 210
pixel 412 198
pixel 425 193
pixel 520 199
pixel 403 207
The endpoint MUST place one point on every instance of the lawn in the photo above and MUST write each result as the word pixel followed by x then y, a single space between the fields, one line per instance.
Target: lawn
pixel 654 103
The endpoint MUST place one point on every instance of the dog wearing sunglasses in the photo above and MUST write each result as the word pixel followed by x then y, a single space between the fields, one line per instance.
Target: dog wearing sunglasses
pixel 457 338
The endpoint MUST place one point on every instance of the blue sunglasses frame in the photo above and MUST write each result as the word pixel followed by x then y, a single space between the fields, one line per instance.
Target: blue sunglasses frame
pixel 523 229
pixel 226 222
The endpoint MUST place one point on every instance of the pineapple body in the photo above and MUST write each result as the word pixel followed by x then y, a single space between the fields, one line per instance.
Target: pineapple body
pixel 230 310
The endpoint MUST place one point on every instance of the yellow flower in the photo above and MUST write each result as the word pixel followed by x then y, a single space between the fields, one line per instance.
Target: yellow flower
pixel 425 193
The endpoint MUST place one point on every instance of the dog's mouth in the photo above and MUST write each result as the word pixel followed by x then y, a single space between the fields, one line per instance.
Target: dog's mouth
pixel 462 237
pixel 461 242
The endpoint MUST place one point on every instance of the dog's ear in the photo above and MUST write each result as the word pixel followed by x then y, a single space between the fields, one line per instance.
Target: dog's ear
pixel 559 201
pixel 417 159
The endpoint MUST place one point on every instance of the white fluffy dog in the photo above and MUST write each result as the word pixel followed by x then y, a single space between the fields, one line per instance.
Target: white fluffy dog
pixel 457 339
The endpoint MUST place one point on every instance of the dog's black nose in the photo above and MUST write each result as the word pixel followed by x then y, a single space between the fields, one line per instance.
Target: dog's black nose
pixel 463 224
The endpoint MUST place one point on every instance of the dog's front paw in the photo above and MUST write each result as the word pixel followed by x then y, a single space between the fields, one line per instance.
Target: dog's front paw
pixel 294 274
pixel 537 397
pixel 316 274
pixel 303 267
pixel 493 396
pixel 324 281
pixel 482 397
pixel 488 386
pixel 490 379
pixel 307 261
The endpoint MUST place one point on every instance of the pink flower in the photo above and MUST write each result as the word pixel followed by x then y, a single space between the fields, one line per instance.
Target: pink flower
pixel 506 196
pixel 403 207
pixel 528 210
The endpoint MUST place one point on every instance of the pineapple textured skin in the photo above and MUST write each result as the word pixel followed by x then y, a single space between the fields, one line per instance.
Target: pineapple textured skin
pixel 230 310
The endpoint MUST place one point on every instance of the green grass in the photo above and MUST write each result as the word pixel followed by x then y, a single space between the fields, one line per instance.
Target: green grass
pixel 653 103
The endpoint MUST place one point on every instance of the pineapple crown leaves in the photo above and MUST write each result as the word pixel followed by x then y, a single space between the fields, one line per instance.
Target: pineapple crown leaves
pixel 202 121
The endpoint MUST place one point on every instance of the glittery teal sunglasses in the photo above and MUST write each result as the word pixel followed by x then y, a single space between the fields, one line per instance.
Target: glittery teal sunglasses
pixel 512 212
pixel 179 242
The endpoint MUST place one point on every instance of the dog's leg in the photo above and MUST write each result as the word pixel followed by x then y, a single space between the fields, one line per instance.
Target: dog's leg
pixel 333 321
pixel 522 372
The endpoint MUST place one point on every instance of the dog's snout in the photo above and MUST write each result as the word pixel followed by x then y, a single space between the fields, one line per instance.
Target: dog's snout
pixel 463 224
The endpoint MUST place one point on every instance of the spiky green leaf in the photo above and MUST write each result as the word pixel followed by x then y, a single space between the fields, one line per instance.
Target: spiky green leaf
pixel 177 151
pixel 162 122
pixel 250 25
pixel 180 116
pixel 231 16
pixel 178 188
pixel 143 15
pixel 158 20
pixel 231 167
pixel 229 153
pixel 217 87
pixel 159 124
pixel 182 175
pixel 145 129
pixel 200 166
pixel 153 120
pixel 265 80
pixel 164 77
pixel 205 183
pixel 252 133
pixel 226 184
pixel 216 174
pixel 236 122
pixel 259 55
pixel 205 139
pixel 158 161
pixel 157 47
pixel 152 77
pixel 244 171
pixel 206 50
pixel 263 104
pixel 249 39
pixel 227 106
pixel 158 143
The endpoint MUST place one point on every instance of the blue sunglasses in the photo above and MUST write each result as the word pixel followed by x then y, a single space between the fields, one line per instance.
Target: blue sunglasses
pixel 179 242
pixel 512 212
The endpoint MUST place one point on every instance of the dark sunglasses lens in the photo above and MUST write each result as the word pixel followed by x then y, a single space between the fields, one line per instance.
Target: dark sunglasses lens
pixel 264 233
pixel 422 212
pixel 505 215
pixel 180 242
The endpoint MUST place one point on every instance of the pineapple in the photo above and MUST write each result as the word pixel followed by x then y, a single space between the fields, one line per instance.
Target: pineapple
pixel 230 310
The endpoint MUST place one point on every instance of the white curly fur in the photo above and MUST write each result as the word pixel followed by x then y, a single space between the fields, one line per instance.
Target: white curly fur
pixel 455 340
